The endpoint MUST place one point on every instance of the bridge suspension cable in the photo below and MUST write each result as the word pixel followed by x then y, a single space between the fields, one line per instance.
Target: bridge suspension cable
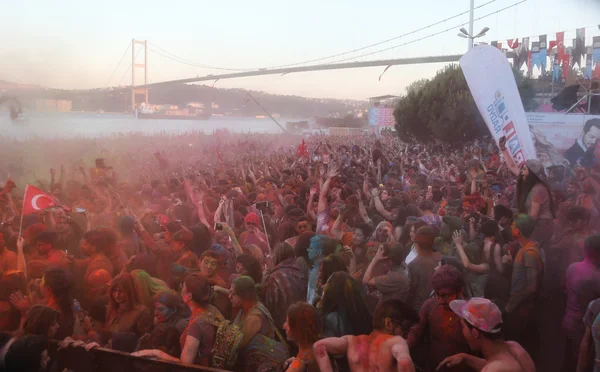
pixel 431 35
pixel 176 58
pixel 166 54
pixel 381 42
pixel 119 64
pixel 128 68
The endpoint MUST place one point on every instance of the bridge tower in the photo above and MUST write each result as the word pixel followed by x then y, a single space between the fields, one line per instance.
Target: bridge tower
pixel 134 65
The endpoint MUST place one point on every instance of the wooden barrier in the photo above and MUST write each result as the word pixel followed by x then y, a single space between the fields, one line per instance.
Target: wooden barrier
pixel 105 360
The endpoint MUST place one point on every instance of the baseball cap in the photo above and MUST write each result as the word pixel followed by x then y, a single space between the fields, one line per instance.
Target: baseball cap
pixel 479 312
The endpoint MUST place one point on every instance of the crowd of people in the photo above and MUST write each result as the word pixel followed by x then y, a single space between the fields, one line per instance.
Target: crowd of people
pixel 270 252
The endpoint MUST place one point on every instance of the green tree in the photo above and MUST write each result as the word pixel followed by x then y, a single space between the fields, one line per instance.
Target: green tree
pixel 442 108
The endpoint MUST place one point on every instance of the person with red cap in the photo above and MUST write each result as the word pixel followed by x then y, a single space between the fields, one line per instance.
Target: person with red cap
pixel 253 235
pixel 482 327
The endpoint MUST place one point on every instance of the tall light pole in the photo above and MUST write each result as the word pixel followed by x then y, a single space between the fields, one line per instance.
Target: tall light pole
pixel 469 35
pixel 471 11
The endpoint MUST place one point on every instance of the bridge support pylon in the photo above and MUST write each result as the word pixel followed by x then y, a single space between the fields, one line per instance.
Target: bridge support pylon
pixel 138 91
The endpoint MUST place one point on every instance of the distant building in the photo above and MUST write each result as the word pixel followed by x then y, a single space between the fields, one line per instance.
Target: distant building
pixel 381 113
pixel 383 101
pixel 53 105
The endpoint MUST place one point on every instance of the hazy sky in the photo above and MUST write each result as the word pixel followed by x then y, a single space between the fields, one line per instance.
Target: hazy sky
pixel 77 44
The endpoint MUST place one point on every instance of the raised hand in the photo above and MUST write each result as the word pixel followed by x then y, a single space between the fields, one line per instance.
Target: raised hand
pixel 333 172
pixel 457 237
pixel 357 274
pixel 502 143
pixel 380 255
pixel 359 195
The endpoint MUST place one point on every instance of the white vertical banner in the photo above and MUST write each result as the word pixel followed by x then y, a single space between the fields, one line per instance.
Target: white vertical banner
pixel 494 89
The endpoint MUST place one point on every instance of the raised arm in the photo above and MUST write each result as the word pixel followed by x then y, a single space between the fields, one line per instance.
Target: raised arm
pixel 236 244
pixel 325 189
pixel 368 278
pixel 480 268
pixel 361 208
pixel 21 263
pixel 309 208
pixel 219 211
pixel 365 188
pixel 197 197
pixel 508 160
pixel 379 205
pixel 336 229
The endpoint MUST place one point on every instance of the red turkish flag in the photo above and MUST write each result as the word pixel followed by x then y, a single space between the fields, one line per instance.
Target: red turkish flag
pixel 36 200
pixel 560 43
pixel 302 150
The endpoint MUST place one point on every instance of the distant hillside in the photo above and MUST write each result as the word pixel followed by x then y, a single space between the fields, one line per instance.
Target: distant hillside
pixel 227 101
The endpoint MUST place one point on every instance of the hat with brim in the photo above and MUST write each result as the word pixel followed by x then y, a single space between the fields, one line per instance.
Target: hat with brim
pixel 480 313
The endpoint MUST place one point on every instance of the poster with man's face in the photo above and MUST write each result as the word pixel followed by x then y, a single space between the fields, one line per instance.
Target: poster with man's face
pixel 567 140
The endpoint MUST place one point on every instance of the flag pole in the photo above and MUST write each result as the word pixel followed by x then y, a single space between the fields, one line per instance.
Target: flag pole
pixel 22 209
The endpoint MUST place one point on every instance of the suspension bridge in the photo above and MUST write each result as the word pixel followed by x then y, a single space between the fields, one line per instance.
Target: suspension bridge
pixel 140 89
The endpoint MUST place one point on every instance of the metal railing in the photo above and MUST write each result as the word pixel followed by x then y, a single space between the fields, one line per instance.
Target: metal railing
pixel 588 96
pixel 105 360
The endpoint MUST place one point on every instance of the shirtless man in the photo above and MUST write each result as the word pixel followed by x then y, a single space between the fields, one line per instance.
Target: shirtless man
pixel 482 327
pixel 383 350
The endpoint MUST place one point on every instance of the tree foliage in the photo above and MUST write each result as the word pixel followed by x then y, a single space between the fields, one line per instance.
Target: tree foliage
pixel 442 108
